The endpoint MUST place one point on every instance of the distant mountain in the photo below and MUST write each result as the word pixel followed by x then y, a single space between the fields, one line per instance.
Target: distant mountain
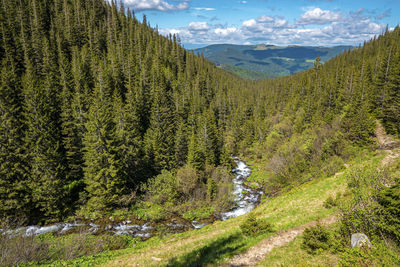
pixel 267 61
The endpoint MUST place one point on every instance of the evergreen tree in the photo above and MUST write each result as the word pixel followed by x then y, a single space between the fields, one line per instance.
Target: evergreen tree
pixel 160 135
pixel 195 156
pixel 391 109
pixel 14 172
pixel 102 176
pixel 46 154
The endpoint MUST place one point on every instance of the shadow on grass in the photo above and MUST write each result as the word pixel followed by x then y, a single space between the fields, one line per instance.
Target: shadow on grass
pixel 211 253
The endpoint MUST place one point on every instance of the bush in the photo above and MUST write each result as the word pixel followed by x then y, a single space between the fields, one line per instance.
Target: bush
pixel 253 226
pixel 15 250
pixel 198 214
pixel 390 200
pixel 363 213
pixel 331 202
pixel 379 255
pixel 20 249
pixel 332 165
pixel 187 178
pixel 316 239
pixel 162 188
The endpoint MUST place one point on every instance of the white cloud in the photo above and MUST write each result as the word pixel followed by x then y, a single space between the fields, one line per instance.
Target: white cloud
pixel 225 31
pixel 251 23
pixel 318 16
pixel 160 5
pixel 199 26
pixel 265 19
pixel 204 8
pixel 350 28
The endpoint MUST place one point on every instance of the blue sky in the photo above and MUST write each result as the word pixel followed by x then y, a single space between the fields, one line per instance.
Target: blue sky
pixel 278 22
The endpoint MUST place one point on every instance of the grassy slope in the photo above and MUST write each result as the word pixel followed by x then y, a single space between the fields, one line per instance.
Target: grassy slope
pixel 218 242
pixel 221 240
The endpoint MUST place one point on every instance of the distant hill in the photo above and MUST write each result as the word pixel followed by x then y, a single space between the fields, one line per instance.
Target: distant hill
pixel 267 61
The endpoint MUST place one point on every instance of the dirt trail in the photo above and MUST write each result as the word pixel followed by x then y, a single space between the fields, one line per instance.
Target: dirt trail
pixel 258 252
pixel 387 143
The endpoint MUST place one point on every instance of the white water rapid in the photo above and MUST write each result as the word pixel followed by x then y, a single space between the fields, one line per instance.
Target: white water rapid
pixel 246 199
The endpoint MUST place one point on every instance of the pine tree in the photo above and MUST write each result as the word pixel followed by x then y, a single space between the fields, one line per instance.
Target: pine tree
pixel 72 134
pixel 14 172
pixel 391 105
pixel 131 152
pixel 46 154
pixel 181 143
pixel 160 135
pixel 102 176
pixel 195 158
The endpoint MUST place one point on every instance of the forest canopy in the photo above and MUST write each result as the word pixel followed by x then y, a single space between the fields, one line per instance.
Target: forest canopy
pixel 96 106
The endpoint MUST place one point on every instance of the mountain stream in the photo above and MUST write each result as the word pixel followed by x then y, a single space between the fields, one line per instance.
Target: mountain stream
pixel 245 199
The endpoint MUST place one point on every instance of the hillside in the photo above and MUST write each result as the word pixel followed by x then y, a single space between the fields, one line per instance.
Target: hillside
pixel 267 61
pixel 104 121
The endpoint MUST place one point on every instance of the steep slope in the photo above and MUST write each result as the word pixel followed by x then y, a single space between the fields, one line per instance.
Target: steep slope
pixel 267 61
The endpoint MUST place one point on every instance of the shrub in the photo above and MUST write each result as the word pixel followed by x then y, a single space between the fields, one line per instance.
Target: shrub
pixel 187 178
pixel 316 239
pixel 390 200
pixel 379 255
pixel 331 202
pixel 253 226
pixel 332 166
pixel 15 250
pixel 162 188
pixel 20 249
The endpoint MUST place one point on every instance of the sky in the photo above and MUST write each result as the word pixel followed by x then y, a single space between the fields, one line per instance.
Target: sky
pixel 276 22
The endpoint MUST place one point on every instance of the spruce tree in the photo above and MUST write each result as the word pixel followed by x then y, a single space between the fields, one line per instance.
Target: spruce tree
pixel 14 172
pixel 102 176
pixel 391 105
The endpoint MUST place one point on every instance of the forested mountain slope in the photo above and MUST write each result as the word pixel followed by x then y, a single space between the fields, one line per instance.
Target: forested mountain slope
pixel 267 61
pixel 95 105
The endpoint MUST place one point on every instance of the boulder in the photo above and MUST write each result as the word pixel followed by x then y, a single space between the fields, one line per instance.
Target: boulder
pixel 359 240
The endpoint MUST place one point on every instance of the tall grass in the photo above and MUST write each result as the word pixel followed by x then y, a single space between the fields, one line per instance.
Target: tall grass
pixel 19 249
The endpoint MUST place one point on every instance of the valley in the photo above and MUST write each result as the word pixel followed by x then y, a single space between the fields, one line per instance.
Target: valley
pixel 118 147
pixel 267 61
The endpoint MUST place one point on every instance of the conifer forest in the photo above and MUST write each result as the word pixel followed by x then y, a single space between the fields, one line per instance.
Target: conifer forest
pixel 95 104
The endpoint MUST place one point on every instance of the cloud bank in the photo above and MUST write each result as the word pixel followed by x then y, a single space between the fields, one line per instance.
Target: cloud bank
pixel 314 27
pixel 160 5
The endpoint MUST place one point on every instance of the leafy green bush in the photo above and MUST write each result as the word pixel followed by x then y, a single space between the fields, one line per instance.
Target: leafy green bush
pixel 316 239
pixel 253 226
pixel 162 188
pixel 187 179
pixel 198 214
pixel 332 165
pixel 331 202
pixel 390 200
pixel 379 255
pixel 363 213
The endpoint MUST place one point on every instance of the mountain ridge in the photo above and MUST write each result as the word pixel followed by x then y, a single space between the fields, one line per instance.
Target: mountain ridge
pixel 264 61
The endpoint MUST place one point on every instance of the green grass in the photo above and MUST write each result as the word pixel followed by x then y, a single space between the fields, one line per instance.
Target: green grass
pixel 293 255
